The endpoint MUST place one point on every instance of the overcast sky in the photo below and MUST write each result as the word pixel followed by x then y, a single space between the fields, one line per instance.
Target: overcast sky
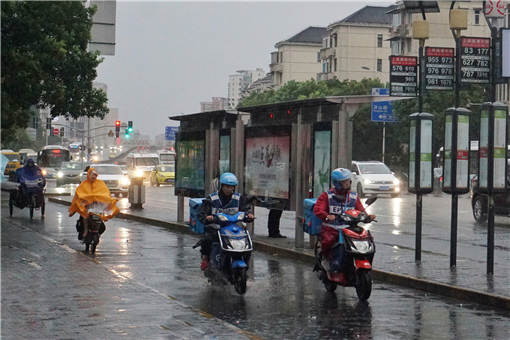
pixel 170 56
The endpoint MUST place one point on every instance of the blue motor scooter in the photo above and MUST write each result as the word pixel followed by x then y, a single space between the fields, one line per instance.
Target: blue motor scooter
pixel 231 256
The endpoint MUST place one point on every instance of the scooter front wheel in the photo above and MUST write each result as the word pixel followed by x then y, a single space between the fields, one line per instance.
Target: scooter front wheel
pixel 240 280
pixel 363 284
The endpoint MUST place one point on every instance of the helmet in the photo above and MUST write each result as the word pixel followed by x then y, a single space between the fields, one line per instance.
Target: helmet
pixel 340 175
pixel 228 178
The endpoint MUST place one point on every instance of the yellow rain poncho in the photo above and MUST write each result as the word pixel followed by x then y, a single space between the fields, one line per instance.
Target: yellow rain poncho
pixel 89 192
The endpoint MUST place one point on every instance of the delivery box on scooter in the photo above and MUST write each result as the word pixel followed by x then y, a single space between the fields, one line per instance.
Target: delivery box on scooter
pixel 194 208
pixel 312 224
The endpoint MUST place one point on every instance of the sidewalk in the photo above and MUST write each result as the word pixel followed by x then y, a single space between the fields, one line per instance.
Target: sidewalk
pixel 392 263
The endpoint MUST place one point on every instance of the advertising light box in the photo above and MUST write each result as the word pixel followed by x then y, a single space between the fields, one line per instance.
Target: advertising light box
pixel 420 153
pixel 505 52
pixel 322 161
pixel 267 168
pixel 190 166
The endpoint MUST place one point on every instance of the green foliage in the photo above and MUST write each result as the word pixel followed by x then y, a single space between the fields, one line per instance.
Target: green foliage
pixel 294 90
pixel 45 62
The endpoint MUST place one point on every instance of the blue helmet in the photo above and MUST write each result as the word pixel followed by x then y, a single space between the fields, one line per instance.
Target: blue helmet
pixel 340 175
pixel 228 178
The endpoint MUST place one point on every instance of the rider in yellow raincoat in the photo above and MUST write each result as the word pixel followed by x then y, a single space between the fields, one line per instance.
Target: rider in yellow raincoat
pixel 89 191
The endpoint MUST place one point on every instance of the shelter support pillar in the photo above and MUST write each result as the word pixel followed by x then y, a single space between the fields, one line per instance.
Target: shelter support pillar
pixel 298 168
pixel 212 142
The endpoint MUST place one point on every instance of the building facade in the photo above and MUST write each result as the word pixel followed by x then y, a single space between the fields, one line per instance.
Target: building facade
pixel 440 35
pixel 216 103
pixel 357 46
pixel 238 82
pixel 297 57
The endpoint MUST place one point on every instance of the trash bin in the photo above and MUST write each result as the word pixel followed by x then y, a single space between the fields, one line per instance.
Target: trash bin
pixel 137 193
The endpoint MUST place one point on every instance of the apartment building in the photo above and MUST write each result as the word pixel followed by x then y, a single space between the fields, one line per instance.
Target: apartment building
pixel 440 34
pixel 296 58
pixel 216 103
pixel 238 82
pixel 357 46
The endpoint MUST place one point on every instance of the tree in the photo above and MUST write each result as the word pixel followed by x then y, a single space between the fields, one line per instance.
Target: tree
pixel 45 62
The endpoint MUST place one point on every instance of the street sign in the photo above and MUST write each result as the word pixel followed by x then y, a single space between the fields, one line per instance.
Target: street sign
pixel 439 66
pixel 505 52
pixel 56 131
pixel 382 112
pixel 170 132
pixel 474 60
pixel 403 76
pixel 380 92
pixel 495 8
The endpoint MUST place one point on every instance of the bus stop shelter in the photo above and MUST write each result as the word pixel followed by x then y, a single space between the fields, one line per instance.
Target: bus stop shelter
pixel 281 153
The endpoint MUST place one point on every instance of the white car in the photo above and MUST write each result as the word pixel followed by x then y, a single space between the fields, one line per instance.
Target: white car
pixel 373 178
pixel 114 178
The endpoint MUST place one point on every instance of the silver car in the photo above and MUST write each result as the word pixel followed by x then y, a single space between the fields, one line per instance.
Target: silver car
pixel 69 173
pixel 112 175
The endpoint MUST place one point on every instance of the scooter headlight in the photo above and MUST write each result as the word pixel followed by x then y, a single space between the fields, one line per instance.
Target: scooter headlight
pixel 361 246
pixel 238 244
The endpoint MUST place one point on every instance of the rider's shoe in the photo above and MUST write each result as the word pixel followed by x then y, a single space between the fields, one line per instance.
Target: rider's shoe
pixel 205 263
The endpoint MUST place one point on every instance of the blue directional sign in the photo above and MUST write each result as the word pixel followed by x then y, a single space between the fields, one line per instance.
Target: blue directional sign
pixel 170 132
pixel 382 112
pixel 378 91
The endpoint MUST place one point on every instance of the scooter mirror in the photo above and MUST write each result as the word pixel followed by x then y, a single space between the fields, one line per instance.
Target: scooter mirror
pixel 370 201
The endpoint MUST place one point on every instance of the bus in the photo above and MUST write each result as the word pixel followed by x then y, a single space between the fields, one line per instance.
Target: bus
pixel 166 157
pixel 50 159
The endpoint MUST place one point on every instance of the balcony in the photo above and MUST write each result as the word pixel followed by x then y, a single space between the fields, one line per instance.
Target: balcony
pixel 402 30
pixel 325 53
pixel 325 76
pixel 276 67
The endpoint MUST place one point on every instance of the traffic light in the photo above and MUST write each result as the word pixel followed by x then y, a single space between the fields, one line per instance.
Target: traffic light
pixel 130 126
pixel 62 131
pixel 48 123
pixel 117 128
pixel 127 135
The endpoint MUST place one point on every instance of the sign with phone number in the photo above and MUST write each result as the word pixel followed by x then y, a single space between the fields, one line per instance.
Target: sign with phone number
pixel 403 76
pixel 475 60
pixel 439 66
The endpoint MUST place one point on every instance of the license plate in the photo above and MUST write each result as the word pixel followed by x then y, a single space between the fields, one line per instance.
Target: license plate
pixel 384 187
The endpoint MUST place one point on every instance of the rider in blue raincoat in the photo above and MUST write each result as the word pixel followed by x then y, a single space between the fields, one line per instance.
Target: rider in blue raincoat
pixel 28 174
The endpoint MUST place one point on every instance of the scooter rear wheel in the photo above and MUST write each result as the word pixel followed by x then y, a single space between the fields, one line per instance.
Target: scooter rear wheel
pixel 364 284
pixel 240 280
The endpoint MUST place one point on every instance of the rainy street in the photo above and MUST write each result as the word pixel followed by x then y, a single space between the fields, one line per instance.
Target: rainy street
pixel 145 282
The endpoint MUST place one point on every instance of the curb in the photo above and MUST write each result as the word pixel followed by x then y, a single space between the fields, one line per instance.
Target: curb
pixel 430 286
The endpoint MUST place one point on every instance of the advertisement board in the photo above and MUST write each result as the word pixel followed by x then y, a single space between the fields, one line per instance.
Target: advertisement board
pixel 267 165
pixel 224 153
pixel 412 154
pixel 190 167
pixel 505 52
pixel 426 155
pixel 321 161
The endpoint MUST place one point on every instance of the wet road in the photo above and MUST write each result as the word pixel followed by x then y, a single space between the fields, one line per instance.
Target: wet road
pixel 140 266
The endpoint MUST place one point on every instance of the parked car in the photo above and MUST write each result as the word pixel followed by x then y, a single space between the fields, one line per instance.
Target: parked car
pixel 163 174
pixel 479 202
pixel 374 178
pixel 69 173
pixel 112 175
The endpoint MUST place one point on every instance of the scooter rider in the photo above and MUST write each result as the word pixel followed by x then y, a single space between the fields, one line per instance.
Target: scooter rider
pixel 329 206
pixel 225 200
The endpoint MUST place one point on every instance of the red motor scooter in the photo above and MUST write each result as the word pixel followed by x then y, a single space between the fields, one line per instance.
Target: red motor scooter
pixel 359 250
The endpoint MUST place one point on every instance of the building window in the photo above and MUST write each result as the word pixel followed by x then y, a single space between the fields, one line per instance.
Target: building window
pixel 335 42
pixel 334 65
pixel 477 17
pixel 409 42
pixel 395 47
pixel 379 65
pixel 379 40
pixel 318 57
pixel 281 57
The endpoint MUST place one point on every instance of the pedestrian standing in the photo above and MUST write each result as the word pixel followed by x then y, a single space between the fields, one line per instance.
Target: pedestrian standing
pixel 273 223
